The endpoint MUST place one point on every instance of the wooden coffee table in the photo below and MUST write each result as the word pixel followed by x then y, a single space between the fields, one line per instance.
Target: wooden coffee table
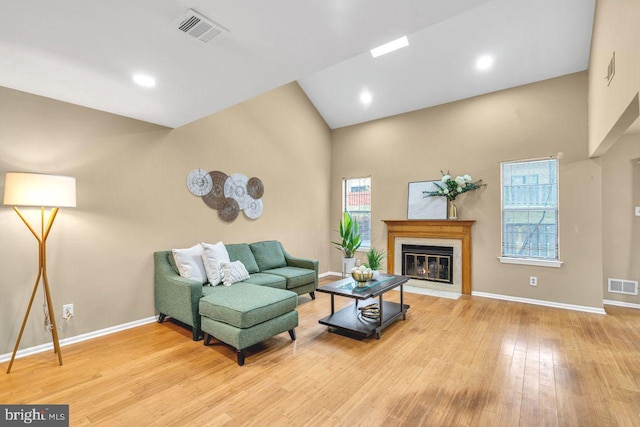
pixel 350 319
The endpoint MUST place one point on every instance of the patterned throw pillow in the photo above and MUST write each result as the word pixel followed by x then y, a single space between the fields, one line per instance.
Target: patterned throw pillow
pixel 233 272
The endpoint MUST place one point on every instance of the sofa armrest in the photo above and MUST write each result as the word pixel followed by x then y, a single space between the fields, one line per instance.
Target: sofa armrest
pixel 175 295
pixel 311 264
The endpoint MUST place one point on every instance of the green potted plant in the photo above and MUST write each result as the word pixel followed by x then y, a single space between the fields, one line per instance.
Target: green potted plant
pixel 351 241
pixel 374 261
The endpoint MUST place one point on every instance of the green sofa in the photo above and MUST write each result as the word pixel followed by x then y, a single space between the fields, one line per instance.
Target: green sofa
pixel 268 265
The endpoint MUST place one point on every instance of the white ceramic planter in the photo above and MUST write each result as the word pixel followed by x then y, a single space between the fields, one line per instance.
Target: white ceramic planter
pixel 347 265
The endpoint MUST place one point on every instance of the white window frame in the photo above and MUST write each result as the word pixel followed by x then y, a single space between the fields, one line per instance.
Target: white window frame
pixel 539 262
pixel 363 247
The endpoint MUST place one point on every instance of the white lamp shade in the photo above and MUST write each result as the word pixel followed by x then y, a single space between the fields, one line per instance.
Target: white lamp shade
pixel 36 189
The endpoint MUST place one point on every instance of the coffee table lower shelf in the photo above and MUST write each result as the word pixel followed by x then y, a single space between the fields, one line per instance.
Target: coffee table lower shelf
pixel 349 319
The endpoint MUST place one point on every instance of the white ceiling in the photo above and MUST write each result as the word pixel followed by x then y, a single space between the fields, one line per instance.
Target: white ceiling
pixel 85 52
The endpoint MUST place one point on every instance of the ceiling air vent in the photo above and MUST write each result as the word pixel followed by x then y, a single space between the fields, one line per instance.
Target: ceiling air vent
pixel 620 286
pixel 199 27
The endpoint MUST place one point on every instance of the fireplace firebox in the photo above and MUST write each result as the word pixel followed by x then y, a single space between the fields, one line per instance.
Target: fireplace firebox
pixel 431 263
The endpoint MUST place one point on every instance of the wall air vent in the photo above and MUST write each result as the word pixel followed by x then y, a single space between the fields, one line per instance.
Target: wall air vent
pixel 620 286
pixel 199 27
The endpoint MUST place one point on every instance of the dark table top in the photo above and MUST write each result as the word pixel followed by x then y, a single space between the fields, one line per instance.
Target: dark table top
pixel 348 287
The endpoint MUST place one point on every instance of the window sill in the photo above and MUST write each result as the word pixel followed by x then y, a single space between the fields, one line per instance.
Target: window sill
pixel 531 261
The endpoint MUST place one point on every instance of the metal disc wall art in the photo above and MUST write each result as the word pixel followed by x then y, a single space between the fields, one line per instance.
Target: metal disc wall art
pixel 228 210
pixel 255 189
pixel 199 182
pixel 216 195
pixel 228 194
pixel 236 187
pixel 254 208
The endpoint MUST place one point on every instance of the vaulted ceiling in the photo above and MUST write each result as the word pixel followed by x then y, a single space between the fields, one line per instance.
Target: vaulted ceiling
pixel 86 52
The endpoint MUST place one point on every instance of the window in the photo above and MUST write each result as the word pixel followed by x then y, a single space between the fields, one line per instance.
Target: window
pixel 530 210
pixel 357 201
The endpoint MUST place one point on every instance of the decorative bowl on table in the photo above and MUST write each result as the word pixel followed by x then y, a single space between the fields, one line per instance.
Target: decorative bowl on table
pixel 362 277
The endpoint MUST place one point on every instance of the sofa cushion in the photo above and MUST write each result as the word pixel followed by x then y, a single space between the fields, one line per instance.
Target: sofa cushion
pixel 244 305
pixel 213 256
pixel 189 263
pixel 242 252
pixel 206 290
pixel 268 255
pixel 295 276
pixel 270 280
pixel 243 338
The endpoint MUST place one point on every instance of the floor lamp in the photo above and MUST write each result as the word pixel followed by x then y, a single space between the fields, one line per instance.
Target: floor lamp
pixel 34 189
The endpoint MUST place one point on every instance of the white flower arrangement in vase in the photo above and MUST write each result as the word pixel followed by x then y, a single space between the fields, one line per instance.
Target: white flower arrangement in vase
pixel 452 188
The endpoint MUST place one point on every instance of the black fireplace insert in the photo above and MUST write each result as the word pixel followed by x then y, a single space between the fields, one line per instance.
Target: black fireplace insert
pixel 431 263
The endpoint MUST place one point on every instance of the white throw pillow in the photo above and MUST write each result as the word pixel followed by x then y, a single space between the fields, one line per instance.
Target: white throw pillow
pixel 189 263
pixel 233 272
pixel 212 256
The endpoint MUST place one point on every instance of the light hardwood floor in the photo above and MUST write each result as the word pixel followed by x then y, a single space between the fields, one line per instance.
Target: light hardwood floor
pixel 470 362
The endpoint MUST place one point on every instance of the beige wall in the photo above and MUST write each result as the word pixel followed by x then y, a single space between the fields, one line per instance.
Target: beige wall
pixel 621 228
pixel 132 199
pixel 613 107
pixel 472 137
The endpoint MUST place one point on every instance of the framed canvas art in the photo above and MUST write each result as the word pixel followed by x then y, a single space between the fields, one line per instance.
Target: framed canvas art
pixel 420 206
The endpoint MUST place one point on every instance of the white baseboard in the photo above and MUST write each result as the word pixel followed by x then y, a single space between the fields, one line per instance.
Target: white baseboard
pixel 621 304
pixel 329 273
pixel 584 308
pixel 78 338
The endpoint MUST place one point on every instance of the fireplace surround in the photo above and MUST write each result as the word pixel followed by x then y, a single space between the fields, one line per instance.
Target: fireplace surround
pixel 457 230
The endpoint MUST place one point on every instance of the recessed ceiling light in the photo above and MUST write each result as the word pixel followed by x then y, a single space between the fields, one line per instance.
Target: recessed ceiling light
pixel 365 97
pixel 144 80
pixel 390 47
pixel 484 62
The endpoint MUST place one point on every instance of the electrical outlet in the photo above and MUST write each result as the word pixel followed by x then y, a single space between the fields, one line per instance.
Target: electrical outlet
pixel 67 310
pixel 637 210
pixel 533 280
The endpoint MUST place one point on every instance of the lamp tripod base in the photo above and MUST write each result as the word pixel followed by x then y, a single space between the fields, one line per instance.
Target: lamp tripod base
pixel 42 274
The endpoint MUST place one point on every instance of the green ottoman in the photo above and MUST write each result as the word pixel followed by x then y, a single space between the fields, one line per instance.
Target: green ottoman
pixel 243 314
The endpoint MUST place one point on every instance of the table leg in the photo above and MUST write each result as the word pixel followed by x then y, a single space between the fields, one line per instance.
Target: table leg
pixel 404 313
pixel 332 305
pixel 379 331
